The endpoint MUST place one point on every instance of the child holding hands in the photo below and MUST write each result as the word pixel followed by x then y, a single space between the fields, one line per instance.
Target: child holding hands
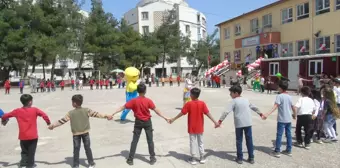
pixel 243 122
pixel 140 107
pixel 196 109
pixel 80 126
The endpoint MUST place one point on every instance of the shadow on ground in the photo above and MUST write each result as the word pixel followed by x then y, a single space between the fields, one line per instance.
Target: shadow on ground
pixel 126 121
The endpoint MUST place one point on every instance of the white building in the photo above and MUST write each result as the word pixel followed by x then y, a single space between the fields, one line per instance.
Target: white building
pixel 148 15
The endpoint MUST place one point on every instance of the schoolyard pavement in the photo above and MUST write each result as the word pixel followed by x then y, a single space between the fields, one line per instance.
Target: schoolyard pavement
pixel 110 140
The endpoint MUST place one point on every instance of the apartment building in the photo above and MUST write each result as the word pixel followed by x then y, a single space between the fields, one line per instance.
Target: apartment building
pixel 294 37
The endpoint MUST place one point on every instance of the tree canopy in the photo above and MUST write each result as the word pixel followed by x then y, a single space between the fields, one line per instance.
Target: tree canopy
pixel 47 31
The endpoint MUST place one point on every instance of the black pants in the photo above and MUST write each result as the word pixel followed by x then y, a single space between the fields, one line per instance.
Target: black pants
pixel 76 148
pixel 139 126
pixel 62 88
pixel 21 90
pixel 304 121
pixel 262 88
pixel 162 83
pixel 150 84
pixel 178 83
pixel 170 83
pixel 28 148
pixel 111 85
pixel 91 87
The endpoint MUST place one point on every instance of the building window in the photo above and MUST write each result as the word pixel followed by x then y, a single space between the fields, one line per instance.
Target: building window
pixel 237 30
pixel 145 15
pixel 267 21
pixel 287 15
pixel 337 43
pixel 303 11
pixel 227 56
pixel 315 67
pixel 321 6
pixel 254 25
pixel 145 29
pixel 204 22
pixel 198 18
pixel 187 28
pixel 273 68
pixel 322 45
pixel 303 47
pixel 287 50
pixel 337 5
pixel 226 33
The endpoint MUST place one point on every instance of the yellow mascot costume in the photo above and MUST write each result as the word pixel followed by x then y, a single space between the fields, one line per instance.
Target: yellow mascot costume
pixel 131 77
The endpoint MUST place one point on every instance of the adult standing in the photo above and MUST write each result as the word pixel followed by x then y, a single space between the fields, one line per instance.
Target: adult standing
pixel 187 87
pixel 300 83
pixel 33 82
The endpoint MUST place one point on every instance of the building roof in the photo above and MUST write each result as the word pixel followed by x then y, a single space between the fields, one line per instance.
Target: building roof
pixel 142 3
pixel 253 11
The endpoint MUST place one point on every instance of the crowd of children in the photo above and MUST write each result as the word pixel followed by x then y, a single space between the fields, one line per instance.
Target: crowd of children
pixel 316 111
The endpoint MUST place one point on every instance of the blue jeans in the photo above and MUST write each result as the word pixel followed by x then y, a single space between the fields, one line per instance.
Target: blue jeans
pixel 249 142
pixel 287 127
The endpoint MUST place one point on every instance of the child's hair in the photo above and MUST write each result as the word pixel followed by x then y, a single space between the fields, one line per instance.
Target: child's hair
pixel 328 94
pixel 283 85
pixel 305 91
pixel 195 92
pixel 25 99
pixel 77 99
pixel 315 94
pixel 141 88
pixel 236 89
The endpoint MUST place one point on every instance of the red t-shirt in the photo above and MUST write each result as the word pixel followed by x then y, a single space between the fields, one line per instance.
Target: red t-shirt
pixel 62 83
pixel 178 78
pixel 72 81
pixel 141 107
pixel 195 110
pixel 91 82
pixel 27 121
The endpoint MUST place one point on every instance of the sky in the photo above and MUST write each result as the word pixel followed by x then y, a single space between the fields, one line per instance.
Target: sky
pixel 216 11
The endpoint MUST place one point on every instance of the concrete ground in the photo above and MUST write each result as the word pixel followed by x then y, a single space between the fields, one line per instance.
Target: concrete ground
pixel 111 139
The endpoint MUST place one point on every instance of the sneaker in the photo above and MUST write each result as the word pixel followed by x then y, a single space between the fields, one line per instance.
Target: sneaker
pixel 202 160
pixel 276 154
pixel 251 160
pixel 334 139
pixel 239 161
pixel 192 161
pixel 153 160
pixel 319 141
pixel 311 140
pixel 300 145
pixel 307 146
pixel 327 140
pixel 129 162
pixel 92 166
pixel 288 153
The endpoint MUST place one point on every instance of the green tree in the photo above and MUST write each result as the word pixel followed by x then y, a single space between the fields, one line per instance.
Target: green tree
pixel 12 38
pixel 206 47
pixel 168 37
pixel 101 36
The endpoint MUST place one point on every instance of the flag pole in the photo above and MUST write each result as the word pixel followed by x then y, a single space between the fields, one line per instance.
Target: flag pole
pixel 208 59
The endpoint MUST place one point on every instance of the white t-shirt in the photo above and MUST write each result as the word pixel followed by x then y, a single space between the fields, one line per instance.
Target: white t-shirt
pixel 305 105
pixel 80 81
pixel 262 81
pixel 337 94
pixel 317 107
pixel 188 83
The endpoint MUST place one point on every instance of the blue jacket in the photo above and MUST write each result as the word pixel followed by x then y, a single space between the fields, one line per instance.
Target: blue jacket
pixel 23 83
pixel 1 113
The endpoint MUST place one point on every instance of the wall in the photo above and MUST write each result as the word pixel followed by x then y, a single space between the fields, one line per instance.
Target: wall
pixel 131 18
pixel 290 32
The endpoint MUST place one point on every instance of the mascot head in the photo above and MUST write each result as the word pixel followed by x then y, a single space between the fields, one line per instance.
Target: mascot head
pixel 131 76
